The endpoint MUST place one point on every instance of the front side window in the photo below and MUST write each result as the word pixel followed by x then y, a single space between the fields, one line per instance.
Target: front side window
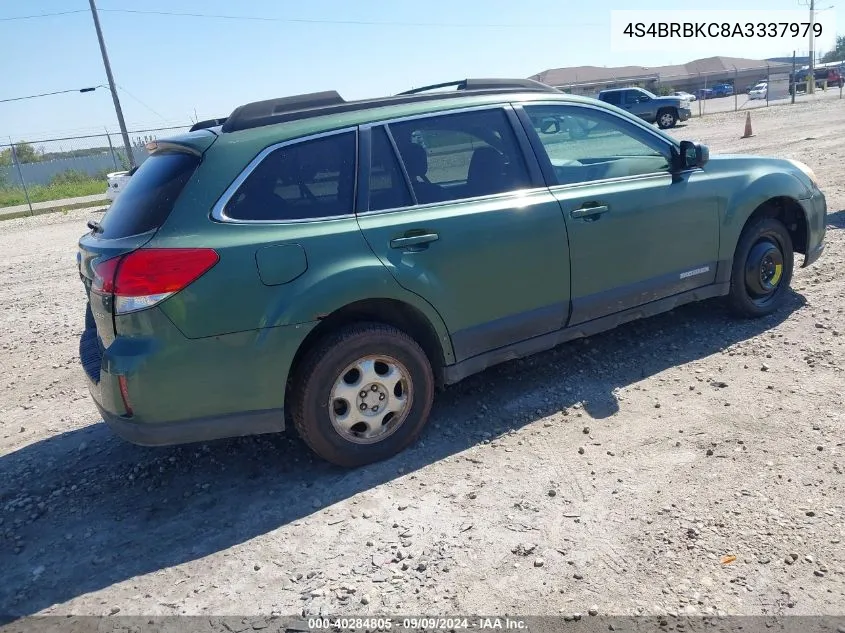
pixel 306 180
pixel 464 155
pixel 586 144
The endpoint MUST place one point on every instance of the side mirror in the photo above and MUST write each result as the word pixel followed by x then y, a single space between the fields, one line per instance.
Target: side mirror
pixel 550 125
pixel 693 155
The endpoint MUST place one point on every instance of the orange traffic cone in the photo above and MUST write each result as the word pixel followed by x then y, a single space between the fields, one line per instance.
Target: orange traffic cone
pixel 748 131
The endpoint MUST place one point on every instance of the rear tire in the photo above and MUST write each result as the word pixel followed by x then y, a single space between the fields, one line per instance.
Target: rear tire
pixel 762 269
pixel 362 394
pixel 666 118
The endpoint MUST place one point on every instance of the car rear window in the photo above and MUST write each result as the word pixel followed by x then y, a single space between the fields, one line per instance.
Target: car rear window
pixel 149 195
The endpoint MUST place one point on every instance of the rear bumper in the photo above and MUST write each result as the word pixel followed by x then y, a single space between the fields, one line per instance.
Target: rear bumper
pixel 196 430
pixel 684 114
pixel 181 390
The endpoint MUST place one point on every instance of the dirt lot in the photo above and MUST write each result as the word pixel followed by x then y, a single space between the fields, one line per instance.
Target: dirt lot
pixel 609 475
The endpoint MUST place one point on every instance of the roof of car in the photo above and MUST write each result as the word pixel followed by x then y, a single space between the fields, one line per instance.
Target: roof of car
pixel 268 128
pixel 296 107
pixel 323 119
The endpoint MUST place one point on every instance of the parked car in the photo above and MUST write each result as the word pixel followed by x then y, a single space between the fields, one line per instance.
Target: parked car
pixel 684 95
pixel 759 91
pixel 705 93
pixel 831 75
pixel 307 260
pixel 665 111
pixel 722 90
pixel 116 182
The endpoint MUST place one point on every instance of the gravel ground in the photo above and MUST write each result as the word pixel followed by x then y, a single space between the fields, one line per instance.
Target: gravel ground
pixel 610 476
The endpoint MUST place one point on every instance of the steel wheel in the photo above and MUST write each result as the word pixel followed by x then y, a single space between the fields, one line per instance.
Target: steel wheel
pixel 370 399
pixel 763 270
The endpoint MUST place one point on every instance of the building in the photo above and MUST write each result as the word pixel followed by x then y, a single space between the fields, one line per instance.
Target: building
pixel 700 73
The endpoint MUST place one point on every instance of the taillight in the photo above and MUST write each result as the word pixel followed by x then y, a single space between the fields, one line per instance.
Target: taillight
pixel 148 276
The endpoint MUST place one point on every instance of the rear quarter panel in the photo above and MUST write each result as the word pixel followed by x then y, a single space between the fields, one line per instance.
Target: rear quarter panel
pixel 231 297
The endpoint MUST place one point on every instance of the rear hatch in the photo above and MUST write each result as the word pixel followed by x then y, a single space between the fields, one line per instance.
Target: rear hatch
pixel 130 222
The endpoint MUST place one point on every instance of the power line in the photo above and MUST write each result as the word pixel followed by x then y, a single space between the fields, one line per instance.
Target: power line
pixel 258 18
pixel 41 15
pixel 141 102
pixel 346 22
pixel 47 94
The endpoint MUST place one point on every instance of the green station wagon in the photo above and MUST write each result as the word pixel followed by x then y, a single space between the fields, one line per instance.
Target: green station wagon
pixel 335 262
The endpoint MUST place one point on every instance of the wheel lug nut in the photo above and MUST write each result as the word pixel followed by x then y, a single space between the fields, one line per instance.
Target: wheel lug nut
pixel 363 394
pixel 375 408
pixel 374 388
pixel 381 396
pixel 363 407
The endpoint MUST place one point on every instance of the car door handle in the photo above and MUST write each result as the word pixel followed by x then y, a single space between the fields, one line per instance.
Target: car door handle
pixel 414 240
pixel 588 212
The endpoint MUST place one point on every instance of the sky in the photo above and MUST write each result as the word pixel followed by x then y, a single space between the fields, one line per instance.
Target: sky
pixel 171 69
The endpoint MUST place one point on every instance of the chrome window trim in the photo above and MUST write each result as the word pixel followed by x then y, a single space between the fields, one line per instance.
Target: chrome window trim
pixel 218 210
pixel 502 105
pixel 433 205
pixel 652 175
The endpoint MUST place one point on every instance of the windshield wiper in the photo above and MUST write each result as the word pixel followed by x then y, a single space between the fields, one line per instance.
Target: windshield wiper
pixel 95 226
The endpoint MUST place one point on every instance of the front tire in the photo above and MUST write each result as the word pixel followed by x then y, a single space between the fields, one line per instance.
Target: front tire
pixel 362 394
pixel 667 118
pixel 762 269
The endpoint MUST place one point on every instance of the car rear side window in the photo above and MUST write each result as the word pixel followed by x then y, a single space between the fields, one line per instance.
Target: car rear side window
pixel 306 180
pixel 388 188
pixel 150 194
pixel 465 155
pixel 613 98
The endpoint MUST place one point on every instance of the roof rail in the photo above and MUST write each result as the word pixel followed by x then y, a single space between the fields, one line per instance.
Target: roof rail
pixel 486 84
pixel 261 113
pixel 204 125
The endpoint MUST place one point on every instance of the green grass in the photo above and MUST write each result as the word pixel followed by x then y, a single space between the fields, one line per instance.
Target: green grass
pixel 11 196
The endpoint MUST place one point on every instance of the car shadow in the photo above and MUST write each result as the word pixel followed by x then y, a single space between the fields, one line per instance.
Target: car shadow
pixel 836 220
pixel 84 510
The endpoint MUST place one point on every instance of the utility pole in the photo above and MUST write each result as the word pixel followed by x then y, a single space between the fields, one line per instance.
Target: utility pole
pixel 812 52
pixel 811 87
pixel 793 80
pixel 129 156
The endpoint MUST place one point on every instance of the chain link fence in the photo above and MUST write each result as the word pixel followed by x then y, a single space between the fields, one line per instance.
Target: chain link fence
pixel 732 89
pixel 67 172
pixel 72 171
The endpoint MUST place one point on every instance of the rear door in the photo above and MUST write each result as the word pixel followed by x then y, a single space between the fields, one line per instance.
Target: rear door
pixel 465 221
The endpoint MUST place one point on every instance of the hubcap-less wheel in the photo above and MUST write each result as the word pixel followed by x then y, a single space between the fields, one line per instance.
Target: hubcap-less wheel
pixel 763 270
pixel 370 399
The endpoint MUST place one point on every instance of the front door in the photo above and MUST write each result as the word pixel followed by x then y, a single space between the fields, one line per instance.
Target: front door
pixel 463 222
pixel 637 233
